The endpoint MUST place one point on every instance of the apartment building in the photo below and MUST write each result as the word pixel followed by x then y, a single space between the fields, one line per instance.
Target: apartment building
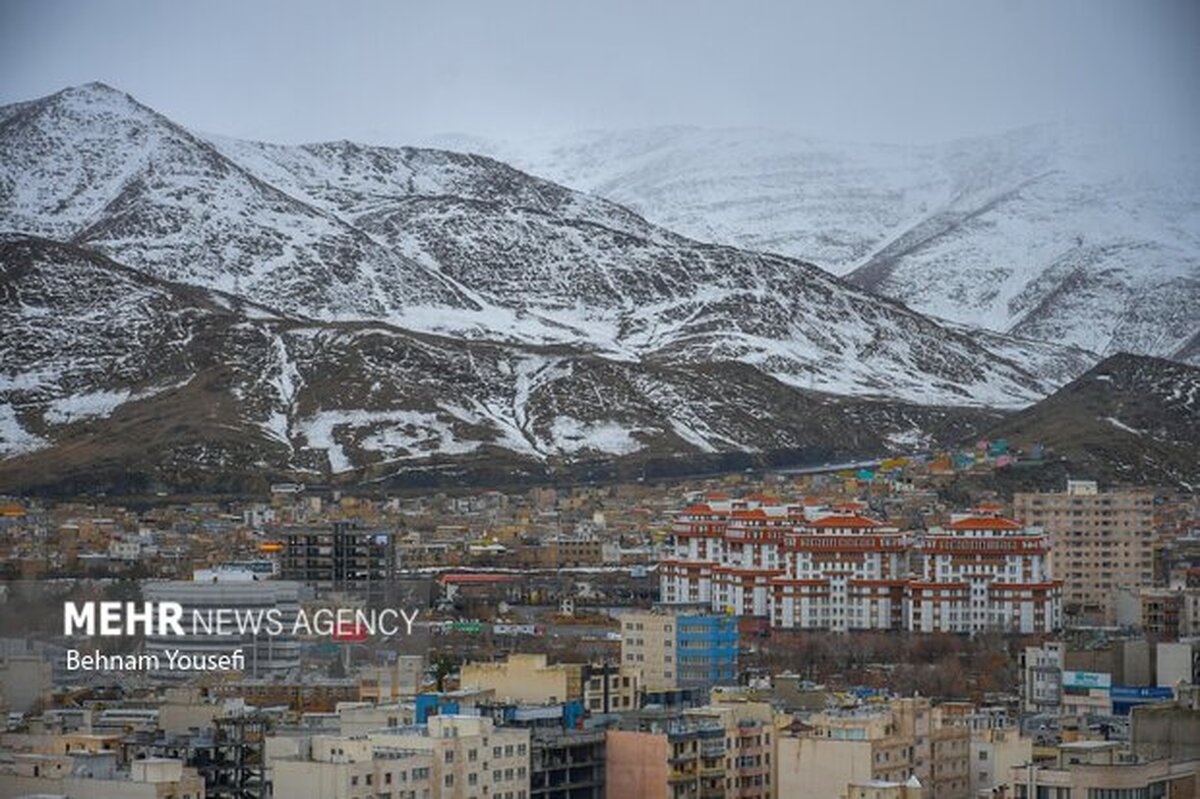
pixel 472 757
pixel 342 556
pixel 1041 677
pixel 902 741
pixel 661 756
pixel 337 767
pixel 983 572
pixel 611 688
pixel 679 648
pixel 814 568
pixel 843 571
pixel 1100 542
pixel 1103 769
pixel 749 732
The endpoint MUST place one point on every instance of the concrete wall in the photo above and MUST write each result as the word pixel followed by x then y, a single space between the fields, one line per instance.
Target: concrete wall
pixel 636 764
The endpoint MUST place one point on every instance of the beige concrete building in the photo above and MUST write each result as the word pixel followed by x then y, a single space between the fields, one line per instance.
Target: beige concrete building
pixel 526 678
pixel 401 678
pixel 471 756
pixel 636 764
pixel 994 753
pixel 890 743
pixel 336 767
pixel 1100 542
pixel 98 776
pixel 749 745
pixel 648 645
pixel 1103 769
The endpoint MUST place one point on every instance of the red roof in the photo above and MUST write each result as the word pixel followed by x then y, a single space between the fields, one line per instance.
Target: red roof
pixel 756 513
pixel 839 522
pixel 984 523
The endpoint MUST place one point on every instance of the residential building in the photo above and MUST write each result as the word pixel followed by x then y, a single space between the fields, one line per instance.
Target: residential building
pixel 526 678
pixel 981 573
pixel 810 567
pixel 342 556
pixel 1041 677
pixel 337 767
pixel 994 753
pixel 1103 769
pixel 677 648
pixel 896 742
pixel 659 756
pixel 1100 541
pixel 472 757
pixel 749 730
pixel 611 688
pixel 842 571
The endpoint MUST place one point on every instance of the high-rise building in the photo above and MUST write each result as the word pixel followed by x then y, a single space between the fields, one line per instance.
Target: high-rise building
pixel 340 557
pixel 1041 677
pixel 1100 542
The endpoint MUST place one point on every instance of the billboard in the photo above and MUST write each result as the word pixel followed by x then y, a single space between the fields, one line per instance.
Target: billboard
pixel 1087 680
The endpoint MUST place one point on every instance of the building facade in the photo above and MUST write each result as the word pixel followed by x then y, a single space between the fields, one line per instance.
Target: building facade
pixel 983 573
pixel 808 567
pixel 1100 542
pixel 679 648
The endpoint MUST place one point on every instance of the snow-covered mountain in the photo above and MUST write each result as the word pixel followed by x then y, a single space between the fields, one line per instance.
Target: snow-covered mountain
pixel 116 380
pixel 464 246
pixel 1047 232
pixel 174 303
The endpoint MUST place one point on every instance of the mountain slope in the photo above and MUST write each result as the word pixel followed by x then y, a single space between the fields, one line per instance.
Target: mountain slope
pixel 467 247
pixel 1043 232
pixel 1131 418
pixel 133 382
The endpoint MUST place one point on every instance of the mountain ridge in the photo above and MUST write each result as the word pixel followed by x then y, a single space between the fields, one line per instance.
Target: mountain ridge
pixel 467 246
pixel 978 231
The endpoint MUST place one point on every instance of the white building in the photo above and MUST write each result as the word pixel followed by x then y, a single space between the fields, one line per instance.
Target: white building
pixel 983 572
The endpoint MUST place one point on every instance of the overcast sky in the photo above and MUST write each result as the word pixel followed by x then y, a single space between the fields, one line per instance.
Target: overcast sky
pixel 389 72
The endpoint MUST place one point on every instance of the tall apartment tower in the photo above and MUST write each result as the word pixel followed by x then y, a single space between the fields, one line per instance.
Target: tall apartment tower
pixel 1100 542
pixel 340 557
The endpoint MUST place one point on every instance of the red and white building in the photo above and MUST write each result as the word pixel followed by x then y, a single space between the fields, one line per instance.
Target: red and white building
pixel 812 568
pixel 842 571
pixel 984 572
